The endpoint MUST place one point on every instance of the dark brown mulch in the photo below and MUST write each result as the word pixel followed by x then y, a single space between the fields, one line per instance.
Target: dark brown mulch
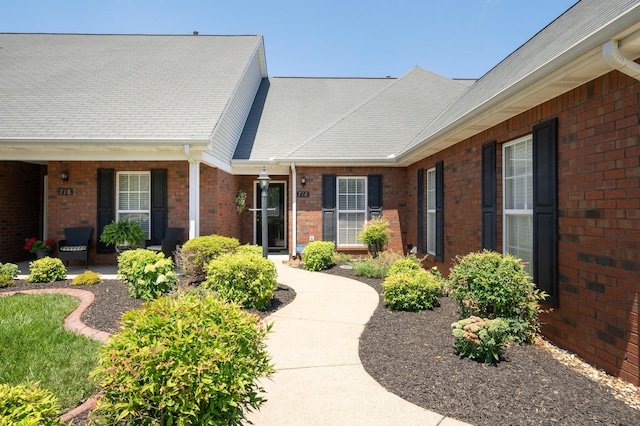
pixel 411 354
pixel 112 300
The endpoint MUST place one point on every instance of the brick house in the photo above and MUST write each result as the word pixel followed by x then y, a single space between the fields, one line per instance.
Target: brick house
pixel 539 157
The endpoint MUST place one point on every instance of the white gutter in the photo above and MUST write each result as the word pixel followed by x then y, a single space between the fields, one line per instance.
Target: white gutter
pixel 294 210
pixel 614 58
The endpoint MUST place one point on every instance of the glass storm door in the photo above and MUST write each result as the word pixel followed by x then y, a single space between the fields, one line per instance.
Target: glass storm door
pixel 276 209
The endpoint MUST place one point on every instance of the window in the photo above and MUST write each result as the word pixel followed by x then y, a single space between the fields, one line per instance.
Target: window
pixel 518 199
pixel 134 198
pixel 352 209
pixel 431 211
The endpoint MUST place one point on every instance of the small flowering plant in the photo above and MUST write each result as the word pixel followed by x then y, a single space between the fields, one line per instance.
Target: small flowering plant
pixel 34 245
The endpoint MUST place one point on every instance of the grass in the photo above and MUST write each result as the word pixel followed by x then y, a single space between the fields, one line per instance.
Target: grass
pixel 34 347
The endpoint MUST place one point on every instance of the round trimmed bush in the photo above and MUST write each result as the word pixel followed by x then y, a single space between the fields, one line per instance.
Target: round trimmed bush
pixel 195 254
pixel 46 270
pixel 87 278
pixel 186 359
pixel 318 255
pixel 8 274
pixel 28 406
pixel 411 290
pixel 491 285
pixel 244 278
pixel 408 263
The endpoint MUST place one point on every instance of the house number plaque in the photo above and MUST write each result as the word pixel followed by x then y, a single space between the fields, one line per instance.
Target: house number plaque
pixel 303 194
pixel 65 191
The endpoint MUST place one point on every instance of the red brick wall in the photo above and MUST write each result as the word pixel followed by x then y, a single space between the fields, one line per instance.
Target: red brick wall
pixel 80 208
pixel 218 214
pixel 599 208
pixel 21 203
pixel 394 184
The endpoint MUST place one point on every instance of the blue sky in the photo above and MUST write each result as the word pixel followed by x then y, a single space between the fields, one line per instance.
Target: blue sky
pixel 332 38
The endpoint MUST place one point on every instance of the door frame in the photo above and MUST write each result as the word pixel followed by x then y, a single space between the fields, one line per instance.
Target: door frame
pixel 257 194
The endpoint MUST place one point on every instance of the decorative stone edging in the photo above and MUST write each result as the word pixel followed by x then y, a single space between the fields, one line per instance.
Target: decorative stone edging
pixel 74 324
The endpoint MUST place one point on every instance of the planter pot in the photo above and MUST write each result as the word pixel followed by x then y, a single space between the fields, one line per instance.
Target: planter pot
pixel 42 253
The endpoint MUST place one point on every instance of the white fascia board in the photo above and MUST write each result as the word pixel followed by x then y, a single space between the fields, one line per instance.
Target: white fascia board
pixel 215 162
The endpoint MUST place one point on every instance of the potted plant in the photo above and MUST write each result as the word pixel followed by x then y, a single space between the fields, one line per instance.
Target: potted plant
pixel 41 248
pixel 123 234
pixel 375 234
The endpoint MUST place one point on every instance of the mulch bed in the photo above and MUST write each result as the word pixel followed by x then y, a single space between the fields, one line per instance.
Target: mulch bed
pixel 112 300
pixel 411 355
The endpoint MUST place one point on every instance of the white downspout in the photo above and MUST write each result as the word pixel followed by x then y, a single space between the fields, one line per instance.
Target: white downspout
pixel 294 210
pixel 614 58
pixel 194 194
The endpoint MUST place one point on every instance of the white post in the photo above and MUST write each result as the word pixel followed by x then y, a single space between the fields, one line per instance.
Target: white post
pixel 194 199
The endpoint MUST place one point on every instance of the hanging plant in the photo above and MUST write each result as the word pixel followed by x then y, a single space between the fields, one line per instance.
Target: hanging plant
pixel 241 198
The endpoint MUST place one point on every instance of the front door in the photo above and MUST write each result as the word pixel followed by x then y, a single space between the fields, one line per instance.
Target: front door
pixel 276 216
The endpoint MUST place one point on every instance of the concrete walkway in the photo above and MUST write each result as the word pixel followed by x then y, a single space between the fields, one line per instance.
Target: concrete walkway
pixel 314 345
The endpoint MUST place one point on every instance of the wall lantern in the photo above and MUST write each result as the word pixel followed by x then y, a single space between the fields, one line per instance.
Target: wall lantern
pixel 264 179
pixel 303 181
pixel 64 176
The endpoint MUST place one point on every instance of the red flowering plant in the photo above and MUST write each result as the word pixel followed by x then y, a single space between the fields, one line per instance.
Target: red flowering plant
pixel 34 245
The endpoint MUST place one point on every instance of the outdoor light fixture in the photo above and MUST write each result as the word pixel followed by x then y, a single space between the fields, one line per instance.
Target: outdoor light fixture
pixel 303 181
pixel 64 176
pixel 264 179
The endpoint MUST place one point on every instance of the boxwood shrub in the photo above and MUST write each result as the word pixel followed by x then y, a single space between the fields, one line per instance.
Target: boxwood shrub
pixel 411 290
pixel 245 278
pixel 8 274
pixel 46 270
pixel 491 285
pixel 186 359
pixel 318 255
pixel 195 254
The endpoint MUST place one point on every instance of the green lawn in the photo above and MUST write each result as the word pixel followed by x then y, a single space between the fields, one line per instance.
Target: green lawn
pixel 34 347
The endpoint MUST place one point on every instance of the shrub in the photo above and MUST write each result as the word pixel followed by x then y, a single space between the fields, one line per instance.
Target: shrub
pixel 46 270
pixel 377 267
pixel 249 249
pixel 411 290
pixel 28 406
pixel 318 255
pixel 375 234
pixel 8 273
pixel 407 263
pixel 190 358
pixel 195 254
pixel 490 285
pixel 244 278
pixel 340 257
pixel 480 338
pixel 86 278
pixel 147 273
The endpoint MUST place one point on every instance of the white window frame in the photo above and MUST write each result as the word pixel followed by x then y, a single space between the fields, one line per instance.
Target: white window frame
pixel 525 211
pixel 120 212
pixel 362 211
pixel 431 211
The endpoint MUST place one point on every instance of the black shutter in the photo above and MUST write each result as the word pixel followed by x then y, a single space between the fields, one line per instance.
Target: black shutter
pixel 374 195
pixel 439 211
pixel 106 206
pixel 158 205
pixel 329 214
pixel 545 209
pixel 421 236
pixel 489 203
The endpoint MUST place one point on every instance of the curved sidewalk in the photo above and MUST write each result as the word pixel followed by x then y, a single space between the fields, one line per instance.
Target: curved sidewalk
pixel 319 378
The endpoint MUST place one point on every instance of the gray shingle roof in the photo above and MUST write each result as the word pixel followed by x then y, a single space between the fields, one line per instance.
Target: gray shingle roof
pixel 304 119
pixel 69 86
pixel 288 111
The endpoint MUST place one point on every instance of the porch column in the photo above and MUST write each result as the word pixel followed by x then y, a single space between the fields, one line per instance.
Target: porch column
pixel 194 199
